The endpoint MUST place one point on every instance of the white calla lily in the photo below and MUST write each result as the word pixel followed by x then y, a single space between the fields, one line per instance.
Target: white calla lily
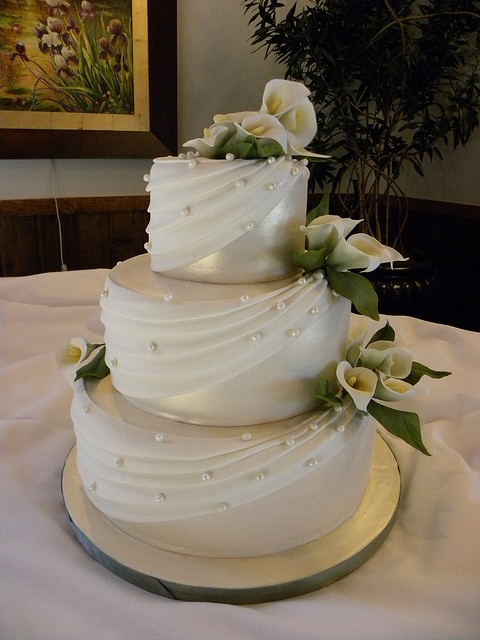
pixel 70 354
pixel 280 96
pixel 344 257
pixel 319 231
pixel 238 116
pixel 214 138
pixel 376 251
pixel 394 390
pixel 360 383
pixel 301 123
pixel 264 126
pixel 388 358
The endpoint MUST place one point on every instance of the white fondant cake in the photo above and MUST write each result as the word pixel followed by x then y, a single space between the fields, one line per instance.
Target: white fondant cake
pixel 207 438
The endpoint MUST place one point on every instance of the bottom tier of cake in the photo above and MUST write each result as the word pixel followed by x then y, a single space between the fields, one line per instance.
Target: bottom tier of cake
pixel 220 492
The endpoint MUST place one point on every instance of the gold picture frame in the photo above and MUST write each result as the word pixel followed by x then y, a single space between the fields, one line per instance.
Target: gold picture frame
pixel 150 131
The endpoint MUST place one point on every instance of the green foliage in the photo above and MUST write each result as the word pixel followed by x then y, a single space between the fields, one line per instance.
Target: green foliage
pixel 95 368
pixel 392 83
pixel 355 288
pixel 403 424
pixel 251 148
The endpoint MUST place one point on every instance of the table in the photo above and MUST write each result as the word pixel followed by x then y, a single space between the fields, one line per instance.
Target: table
pixel 423 583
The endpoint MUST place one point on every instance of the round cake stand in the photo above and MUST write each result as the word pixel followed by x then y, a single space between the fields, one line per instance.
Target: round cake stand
pixel 240 580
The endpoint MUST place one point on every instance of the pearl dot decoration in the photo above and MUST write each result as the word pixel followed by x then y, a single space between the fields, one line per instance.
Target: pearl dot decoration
pixel 314 311
pixel 249 226
pixel 246 437
pixel 92 486
pixel 147 246
pixel 230 157
pixel 244 299
pixel 281 306
pixel 186 211
pixel 293 333
pixel 113 363
pixel 160 437
pixel 182 156
pixel 290 442
pixel 271 186
pixel 256 337
pixel 169 297
pixel 152 347
pixel 312 462
pixel 302 281
pixel 146 177
pixel 160 497
pixel 294 171
pixel 260 475
pixel 271 160
pixel 207 475
pixel 118 463
pixel 104 293
pixel 340 428
pixel 223 507
pixel 314 426
pixel 85 409
pixel 240 183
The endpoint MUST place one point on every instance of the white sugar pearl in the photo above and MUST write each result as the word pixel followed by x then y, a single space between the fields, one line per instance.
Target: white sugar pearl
pixel 113 363
pixel 223 507
pixel 147 246
pixel 160 437
pixel 186 211
pixel 240 183
pixel 340 428
pixel 271 186
pixel 230 157
pixel 152 346
pixel 146 177
pixel 118 463
pixel 160 497
pixel 104 293
pixel 256 337
pixel 245 298
pixel 168 297
pixel 290 442
pixel 281 306
pixel 312 462
pixel 92 486
pixel 206 476
pixel 293 333
pixel 249 226
pixel 259 476
pixel 246 437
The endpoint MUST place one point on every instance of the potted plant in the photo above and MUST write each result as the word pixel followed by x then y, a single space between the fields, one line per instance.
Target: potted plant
pixel 392 82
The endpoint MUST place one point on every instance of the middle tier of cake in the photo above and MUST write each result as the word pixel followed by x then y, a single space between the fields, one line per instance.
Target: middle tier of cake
pixel 225 355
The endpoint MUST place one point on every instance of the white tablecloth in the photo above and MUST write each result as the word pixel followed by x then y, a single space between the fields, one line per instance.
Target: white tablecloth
pixel 423 583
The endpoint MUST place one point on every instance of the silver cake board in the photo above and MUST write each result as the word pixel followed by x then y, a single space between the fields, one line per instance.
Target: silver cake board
pixel 240 580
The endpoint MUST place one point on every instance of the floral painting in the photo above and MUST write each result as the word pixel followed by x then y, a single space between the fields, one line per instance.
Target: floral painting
pixel 66 56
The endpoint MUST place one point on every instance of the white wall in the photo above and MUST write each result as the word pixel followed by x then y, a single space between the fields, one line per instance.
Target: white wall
pixel 218 71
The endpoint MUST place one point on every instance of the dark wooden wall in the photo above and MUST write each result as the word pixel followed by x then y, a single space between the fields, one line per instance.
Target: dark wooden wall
pixel 98 232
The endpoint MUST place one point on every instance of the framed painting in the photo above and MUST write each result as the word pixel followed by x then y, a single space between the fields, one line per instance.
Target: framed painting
pixel 88 79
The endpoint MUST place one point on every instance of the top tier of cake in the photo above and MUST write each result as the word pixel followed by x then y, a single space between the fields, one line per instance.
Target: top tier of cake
pixel 226 221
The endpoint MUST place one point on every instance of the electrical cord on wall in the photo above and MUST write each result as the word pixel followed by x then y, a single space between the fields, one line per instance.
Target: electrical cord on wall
pixel 63 266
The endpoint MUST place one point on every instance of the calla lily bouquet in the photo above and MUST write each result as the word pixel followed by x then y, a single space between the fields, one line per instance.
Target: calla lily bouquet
pixel 331 250
pixel 379 371
pixel 284 125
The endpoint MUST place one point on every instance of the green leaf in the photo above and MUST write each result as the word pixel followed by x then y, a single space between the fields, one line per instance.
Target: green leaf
pixel 96 368
pixel 311 260
pixel 385 333
pixel 251 148
pixel 418 370
pixel 324 394
pixel 322 209
pixel 403 424
pixel 355 288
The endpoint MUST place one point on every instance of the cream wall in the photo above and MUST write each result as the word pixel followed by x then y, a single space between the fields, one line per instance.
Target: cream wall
pixel 217 71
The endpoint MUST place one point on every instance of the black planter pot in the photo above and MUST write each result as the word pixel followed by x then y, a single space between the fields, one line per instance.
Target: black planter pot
pixel 410 288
